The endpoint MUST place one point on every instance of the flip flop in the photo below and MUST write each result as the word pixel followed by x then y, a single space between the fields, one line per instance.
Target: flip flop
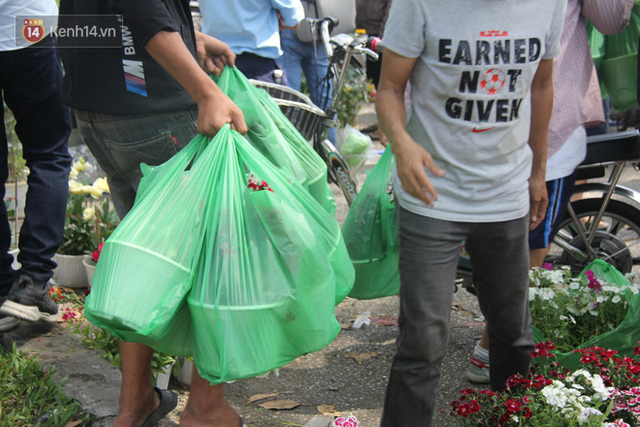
pixel 168 401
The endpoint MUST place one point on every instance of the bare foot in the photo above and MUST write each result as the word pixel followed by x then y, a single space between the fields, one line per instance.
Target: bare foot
pixel 135 415
pixel 223 416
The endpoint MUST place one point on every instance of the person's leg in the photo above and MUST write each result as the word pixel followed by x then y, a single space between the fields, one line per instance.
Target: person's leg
pixel 43 125
pixel 137 397
pixel 315 65
pixel 559 191
pixel 429 251
pixel 207 405
pixel 500 257
pixel 291 58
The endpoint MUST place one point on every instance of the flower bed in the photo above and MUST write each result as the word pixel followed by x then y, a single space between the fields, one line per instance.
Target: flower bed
pixel 600 307
pixel 604 392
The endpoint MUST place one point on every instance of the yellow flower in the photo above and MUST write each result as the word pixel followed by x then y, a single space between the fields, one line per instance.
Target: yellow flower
pixel 75 187
pixel 94 192
pixel 101 185
pixel 80 165
pixel 88 213
pixel 73 174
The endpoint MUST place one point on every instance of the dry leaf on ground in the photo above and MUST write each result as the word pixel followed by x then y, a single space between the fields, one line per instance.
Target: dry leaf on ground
pixel 257 397
pixel 328 410
pixel 361 357
pixel 279 405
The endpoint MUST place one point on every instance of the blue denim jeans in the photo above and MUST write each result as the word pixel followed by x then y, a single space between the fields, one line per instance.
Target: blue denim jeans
pixel 429 251
pixel 31 81
pixel 120 143
pixel 299 57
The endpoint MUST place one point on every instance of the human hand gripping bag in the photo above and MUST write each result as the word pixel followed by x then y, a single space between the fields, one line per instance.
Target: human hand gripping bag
pixel 145 271
pixel 272 268
pixel 275 137
pixel 371 236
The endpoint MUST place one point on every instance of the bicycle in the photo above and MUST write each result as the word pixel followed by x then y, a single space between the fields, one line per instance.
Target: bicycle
pixel 604 222
pixel 313 122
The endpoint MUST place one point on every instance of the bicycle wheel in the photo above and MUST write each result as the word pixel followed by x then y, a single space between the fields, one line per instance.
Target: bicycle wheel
pixel 339 171
pixel 616 239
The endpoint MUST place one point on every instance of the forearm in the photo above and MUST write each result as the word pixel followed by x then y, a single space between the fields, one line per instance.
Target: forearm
pixel 392 115
pixel 541 107
pixel 168 49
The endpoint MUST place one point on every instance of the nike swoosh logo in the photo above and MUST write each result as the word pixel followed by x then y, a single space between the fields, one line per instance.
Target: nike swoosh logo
pixel 476 130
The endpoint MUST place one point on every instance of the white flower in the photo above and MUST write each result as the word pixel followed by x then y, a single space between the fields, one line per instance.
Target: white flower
pixel 616 299
pixel 554 394
pixel 586 413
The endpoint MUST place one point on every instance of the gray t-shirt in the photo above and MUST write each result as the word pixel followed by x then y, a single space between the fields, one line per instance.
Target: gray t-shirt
pixel 470 97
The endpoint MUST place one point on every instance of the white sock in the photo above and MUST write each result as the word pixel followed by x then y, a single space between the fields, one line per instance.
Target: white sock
pixel 482 354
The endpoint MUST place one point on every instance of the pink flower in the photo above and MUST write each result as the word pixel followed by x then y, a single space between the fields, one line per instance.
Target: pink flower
pixel 351 421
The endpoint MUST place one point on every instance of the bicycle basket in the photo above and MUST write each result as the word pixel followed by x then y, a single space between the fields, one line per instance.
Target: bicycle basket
pixel 296 107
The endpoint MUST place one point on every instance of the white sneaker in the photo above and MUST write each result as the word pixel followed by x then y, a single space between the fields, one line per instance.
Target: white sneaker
pixel 478 371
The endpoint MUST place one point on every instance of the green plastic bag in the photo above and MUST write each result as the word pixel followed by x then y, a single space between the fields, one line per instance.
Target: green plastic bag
pixel 370 234
pixel 145 271
pixel 272 268
pixel 618 71
pixel 275 137
pixel 623 338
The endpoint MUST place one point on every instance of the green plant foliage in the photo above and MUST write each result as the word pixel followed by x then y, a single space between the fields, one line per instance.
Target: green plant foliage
pixel 356 90
pixel 32 396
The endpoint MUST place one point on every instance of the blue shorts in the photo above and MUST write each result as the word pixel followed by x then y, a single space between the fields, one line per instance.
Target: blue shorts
pixel 559 191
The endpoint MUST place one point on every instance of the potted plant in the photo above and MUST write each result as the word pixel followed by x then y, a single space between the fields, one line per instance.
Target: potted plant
pixel 87 224
pixel 106 220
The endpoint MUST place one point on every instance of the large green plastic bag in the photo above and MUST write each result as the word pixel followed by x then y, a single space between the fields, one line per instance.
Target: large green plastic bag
pixel 275 137
pixel 272 268
pixel 371 235
pixel 623 338
pixel 145 271
pixel 619 69
pixel 311 162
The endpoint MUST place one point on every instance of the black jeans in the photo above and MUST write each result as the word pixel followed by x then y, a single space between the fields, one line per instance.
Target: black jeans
pixel 31 80
pixel 429 250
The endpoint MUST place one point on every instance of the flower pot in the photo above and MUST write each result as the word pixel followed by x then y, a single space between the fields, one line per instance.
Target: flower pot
pixel 16 198
pixel 70 272
pixel 162 378
pixel 185 371
pixel 89 267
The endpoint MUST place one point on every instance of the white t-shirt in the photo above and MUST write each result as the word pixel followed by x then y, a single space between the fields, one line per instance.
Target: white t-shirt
pixel 470 97
pixel 564 161
pixel 12 8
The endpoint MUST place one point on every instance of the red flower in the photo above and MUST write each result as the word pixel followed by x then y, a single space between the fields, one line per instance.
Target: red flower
pixel 526 412
pixel 96 254
pixel 513 405
pixel 464 410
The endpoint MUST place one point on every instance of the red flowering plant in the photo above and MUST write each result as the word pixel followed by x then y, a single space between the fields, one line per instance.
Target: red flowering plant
pixel 255 184
pixel 602 393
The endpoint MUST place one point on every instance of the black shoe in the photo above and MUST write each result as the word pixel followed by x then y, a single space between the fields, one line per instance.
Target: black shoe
pixel 8 323
pixel 30 300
